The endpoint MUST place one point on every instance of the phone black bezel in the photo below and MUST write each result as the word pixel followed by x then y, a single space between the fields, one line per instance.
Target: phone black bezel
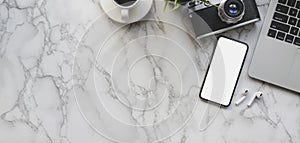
pixel 236 82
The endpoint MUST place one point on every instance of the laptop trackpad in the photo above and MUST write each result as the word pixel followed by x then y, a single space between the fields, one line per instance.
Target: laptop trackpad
pixel 294 79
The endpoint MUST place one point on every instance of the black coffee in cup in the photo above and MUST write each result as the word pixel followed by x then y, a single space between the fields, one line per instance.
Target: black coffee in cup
pixel 125 2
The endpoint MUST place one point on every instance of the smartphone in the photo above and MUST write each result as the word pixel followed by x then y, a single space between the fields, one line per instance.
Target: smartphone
pixel 223 72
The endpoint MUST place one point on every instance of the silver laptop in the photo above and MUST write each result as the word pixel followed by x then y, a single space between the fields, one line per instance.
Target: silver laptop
pixel 277 55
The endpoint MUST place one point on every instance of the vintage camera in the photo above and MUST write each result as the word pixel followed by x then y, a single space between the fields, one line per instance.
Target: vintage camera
pixel 224 16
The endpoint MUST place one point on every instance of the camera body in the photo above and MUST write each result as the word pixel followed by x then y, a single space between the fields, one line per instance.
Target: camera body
pixel 228 15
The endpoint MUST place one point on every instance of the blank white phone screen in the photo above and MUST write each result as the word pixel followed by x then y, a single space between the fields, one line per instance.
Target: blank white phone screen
pixel 224 71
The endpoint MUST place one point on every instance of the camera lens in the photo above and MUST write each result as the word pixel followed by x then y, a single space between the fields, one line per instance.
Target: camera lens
pixel 231 11
pixel 233 8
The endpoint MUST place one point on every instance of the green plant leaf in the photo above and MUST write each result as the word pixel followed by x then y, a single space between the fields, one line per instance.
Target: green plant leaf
pixel 177 5
pixel 166 5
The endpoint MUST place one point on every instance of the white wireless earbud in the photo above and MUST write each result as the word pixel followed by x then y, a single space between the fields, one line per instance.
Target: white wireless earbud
pixel 257 95
pixel 244 95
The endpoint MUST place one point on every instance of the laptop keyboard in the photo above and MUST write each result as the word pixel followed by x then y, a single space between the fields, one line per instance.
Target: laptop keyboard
pixel 285 24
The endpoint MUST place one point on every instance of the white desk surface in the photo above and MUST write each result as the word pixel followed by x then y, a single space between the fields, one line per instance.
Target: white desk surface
pixel 38 40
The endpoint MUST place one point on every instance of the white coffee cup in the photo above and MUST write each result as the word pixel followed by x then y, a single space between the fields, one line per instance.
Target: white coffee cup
pixel 125 6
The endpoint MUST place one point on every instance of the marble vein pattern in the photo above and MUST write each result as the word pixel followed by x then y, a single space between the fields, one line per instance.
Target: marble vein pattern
pixel 57 86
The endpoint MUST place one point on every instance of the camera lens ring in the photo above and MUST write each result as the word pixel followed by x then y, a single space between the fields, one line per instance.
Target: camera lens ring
pixel 234 8
pixel 231 11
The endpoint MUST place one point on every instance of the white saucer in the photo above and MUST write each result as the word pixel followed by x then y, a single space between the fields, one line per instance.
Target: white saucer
pixel 136 13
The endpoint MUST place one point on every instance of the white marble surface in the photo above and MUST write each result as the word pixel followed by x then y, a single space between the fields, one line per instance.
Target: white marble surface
pixel 54 91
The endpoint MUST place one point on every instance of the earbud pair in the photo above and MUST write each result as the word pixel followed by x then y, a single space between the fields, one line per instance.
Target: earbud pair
pixel 257 95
